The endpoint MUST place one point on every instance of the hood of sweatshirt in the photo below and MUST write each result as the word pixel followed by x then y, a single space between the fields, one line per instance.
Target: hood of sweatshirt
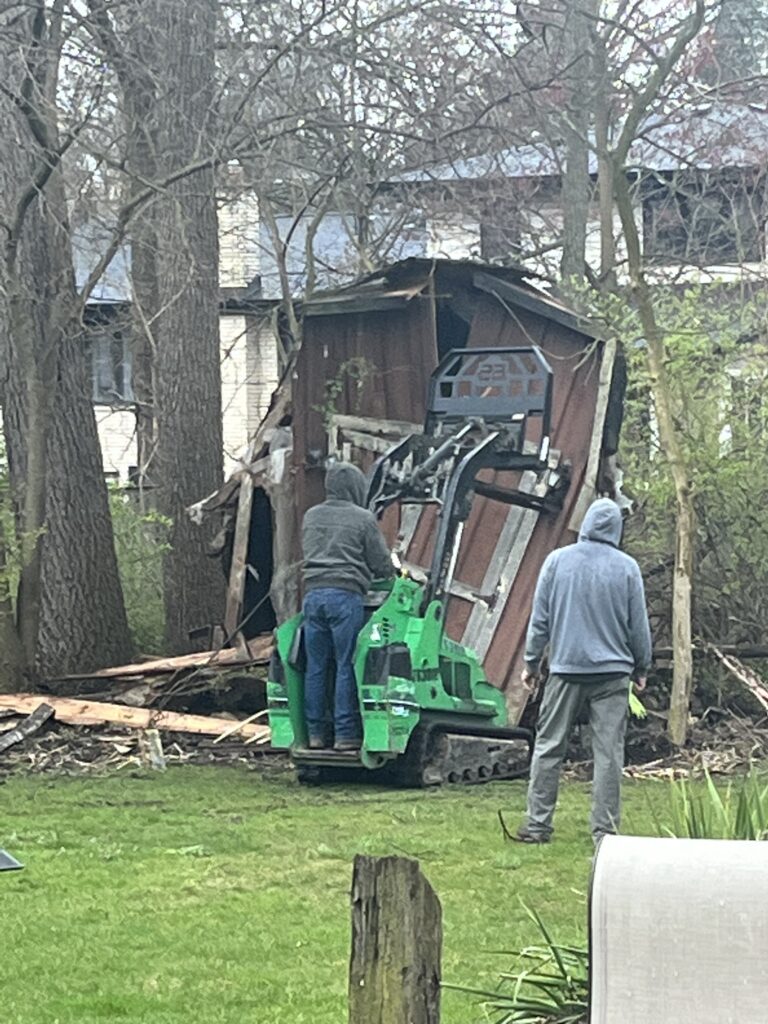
pixel 602 522
pixel 345 482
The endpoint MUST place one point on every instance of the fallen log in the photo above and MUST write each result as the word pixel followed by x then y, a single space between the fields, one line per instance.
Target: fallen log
pixel 89 712
pixel 30 725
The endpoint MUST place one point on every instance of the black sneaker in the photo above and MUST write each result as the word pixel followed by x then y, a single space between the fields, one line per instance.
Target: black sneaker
pixel 532 838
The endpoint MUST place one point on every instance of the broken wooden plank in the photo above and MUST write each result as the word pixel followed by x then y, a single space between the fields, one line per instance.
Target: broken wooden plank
pixel 743 673
pixel 503 568
pixel 259 652
pixel 88 712
pixel 588 491
pixel 238 726
pixel 30 725
pixel 236 588
pixel 370 425
pixel 151 749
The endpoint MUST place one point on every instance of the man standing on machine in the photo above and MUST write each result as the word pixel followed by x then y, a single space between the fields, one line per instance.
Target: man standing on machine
pixel 343 551
pixel 589 608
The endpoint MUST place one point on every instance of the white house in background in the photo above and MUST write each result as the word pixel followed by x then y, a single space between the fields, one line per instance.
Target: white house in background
pixel 250 360
pixel 701 204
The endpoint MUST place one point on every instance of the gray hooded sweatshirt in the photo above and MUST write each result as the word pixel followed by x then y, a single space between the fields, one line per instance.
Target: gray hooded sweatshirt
pixel 589 604
pixel 341 541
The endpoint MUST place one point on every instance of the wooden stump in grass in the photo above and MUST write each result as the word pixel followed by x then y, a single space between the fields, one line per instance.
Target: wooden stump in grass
pixel 394 975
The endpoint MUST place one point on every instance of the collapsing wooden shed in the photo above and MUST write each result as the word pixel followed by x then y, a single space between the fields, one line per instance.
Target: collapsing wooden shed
pixel 358 384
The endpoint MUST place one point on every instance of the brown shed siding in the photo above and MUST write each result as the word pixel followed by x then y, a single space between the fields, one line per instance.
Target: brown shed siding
pixel 573 414
pixel 402 347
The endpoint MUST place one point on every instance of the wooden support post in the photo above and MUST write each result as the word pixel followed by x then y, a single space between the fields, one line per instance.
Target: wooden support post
pixel 236 589
pixel 394 975
pixel 281 488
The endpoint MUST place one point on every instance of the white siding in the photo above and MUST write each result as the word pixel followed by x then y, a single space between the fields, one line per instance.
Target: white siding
pixel 263 362
pixel 545 226
pixel 453 237
pixel 239 243
pixel 117 435
pixel 234 386
pixel 249 375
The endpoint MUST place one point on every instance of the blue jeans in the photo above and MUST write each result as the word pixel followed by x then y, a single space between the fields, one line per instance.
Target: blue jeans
pixel 332 620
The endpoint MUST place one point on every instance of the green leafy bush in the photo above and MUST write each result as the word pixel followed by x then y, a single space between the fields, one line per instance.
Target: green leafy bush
pixel 548 984
pixel 140 541
pixel 706 811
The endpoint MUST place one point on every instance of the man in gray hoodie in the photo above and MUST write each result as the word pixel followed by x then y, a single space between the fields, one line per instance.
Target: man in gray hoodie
pixel 589 609
pixel 343 551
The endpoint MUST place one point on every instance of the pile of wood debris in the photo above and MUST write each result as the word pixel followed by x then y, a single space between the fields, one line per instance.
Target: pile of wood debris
pixel 142 714
pixel 74 750
pixel 720 742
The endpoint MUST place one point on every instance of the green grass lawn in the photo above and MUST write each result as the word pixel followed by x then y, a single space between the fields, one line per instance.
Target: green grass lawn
pixel 221 895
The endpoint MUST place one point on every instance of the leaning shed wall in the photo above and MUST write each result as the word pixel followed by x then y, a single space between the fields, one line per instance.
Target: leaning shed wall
pixel 504 547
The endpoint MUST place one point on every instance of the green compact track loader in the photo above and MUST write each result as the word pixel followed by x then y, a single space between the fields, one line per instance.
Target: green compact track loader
pixel 429 714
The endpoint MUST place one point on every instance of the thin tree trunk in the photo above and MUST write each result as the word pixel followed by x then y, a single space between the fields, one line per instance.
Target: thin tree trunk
pixel 139 90
pixel 600 88
pixel 281 257
pixel 576 187
pixel 672 447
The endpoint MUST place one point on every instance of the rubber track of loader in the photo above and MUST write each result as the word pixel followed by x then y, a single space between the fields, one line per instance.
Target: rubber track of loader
pixel 410 769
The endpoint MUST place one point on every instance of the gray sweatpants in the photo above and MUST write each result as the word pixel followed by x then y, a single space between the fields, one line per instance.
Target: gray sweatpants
pixel 560 707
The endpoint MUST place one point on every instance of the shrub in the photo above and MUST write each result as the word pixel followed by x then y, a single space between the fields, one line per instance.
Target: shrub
pixel 140 541
pixel 549 984
pixel 737 811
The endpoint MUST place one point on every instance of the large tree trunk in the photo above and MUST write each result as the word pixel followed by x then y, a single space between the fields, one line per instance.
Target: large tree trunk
pixel 187 373
pixel 83 620
pixel 69 607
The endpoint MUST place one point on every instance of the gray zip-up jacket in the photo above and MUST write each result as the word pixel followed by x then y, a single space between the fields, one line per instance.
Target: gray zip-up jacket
pixel 341 541
pixel 589 604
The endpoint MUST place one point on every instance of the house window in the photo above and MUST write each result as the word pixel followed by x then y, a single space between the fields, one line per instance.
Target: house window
pixel 703 220
pixel 111 366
